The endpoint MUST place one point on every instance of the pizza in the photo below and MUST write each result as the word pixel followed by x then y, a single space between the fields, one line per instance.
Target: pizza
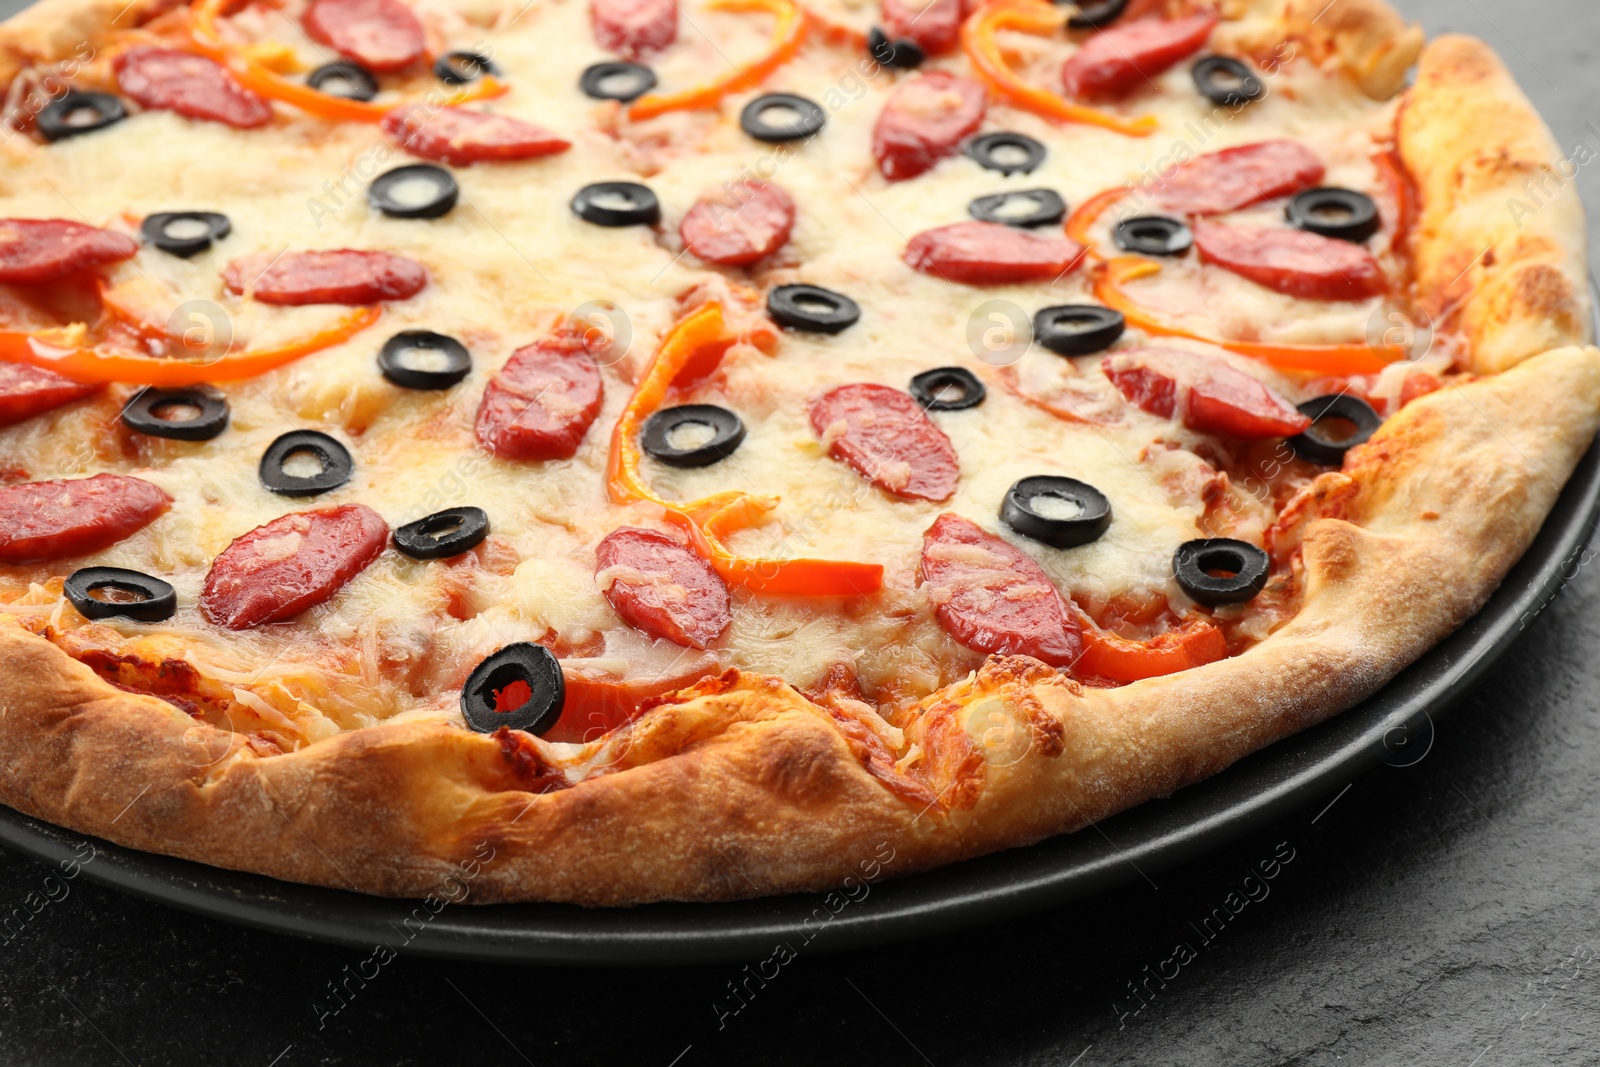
pixel 608 451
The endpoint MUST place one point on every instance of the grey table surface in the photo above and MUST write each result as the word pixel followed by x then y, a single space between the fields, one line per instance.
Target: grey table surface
pixel 1445 913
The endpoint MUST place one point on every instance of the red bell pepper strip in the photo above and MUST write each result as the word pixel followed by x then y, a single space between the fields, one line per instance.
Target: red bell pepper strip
pixel 1105 655
pixel 979 41
pixel 787 36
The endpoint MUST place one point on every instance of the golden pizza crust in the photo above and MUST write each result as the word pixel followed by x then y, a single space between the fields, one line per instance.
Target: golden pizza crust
pixel 1501 236
pixel 744 787
pixel 60 29
pixel 749 789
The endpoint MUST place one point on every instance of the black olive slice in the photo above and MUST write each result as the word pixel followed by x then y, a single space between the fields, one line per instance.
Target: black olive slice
pixel 184 233
pixel 727 434
pixel 443 534
pixel 337 466
pixel 384 191
pixel 948 389
pixel 1061 512
pixel 523 670
pixel 1332 212
pixel 1317 444
pixel 904 54
pixel 392 360
pixel 139 596
pixel 458 68
pixel 346 80
pixel 1096 16
pixel 811 307
pixel 1078 329
pixel 1227 81
pixel 805 118
pixel 79 112
pixel 1243 569
pixel 1047 208
pixel 1007 152
pixel 616 81
pixel 1153 235
pixel 145 413
pixel 597 204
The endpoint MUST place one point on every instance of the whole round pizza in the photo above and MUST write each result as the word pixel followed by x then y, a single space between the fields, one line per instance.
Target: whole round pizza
pixel 611 451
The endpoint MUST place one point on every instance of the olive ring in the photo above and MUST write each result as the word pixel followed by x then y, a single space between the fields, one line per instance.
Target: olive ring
pixel 1244 566
pixel 337 465
pixel 931 389
pixel 532 665
pixel 154 599
pixel 727 434
pixel 1315 445
pixel 1091 518
pixel 1078 329
pixel 142 413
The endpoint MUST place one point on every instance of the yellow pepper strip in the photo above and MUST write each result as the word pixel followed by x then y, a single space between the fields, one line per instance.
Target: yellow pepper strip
pixel 1316 359
pixel 978 40
pixel 259 77
pixel 787 36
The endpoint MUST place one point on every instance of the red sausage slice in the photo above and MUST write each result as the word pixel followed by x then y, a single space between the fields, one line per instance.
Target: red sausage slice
pixel 990 253
pixel 343 276
pixel 294 562
pixel 992 597
pixel 925 119
pixel 736 229
pixel 890 441
pixel 49 520
pixel 935 25
pixel 1209 394
pixel 1292 261
pixel 461 137
pixel 40 251
pixel 1124 58
pixel 662 588
pixel 193 86
pixel 542 402
pixel 632 28
pixel 26 391
pixel 381 35
pixel 1235 178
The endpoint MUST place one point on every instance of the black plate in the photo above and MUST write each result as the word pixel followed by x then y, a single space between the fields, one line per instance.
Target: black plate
pixel 1311 767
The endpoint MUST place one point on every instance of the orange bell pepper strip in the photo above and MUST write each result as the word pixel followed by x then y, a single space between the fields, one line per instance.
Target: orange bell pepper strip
pixel 690 350
pixel 86 364
pixel 1345 359
pixel 259 77
pixel 1088 213
pixel 979 42
pixel 1105 655
pixel 787 36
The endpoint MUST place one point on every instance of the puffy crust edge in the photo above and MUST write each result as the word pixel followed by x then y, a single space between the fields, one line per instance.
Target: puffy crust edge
pixel 1500 239
pixel 746 788
pixel 54 30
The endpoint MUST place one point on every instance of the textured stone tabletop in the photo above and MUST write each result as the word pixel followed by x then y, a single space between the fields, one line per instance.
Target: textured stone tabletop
pixel 1447 913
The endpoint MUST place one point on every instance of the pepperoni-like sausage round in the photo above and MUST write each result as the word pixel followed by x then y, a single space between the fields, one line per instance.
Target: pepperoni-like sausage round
pixel 1209 394
pixel 342 276
pixel 461 137
pixel 1238 177
pixel 381 35
pixel 1292 261
pixel 925 119
pixel 294 562
pixel 194 86
pixel 1126 57
pixel 994 598
pixel 662 588
pixel 991 253
pixel 26 391
pixel 737 228
pixel 632 28
pixel 40 251
pixel 542 402
pixel 49 520
pixel 890 441
pixel 935 25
